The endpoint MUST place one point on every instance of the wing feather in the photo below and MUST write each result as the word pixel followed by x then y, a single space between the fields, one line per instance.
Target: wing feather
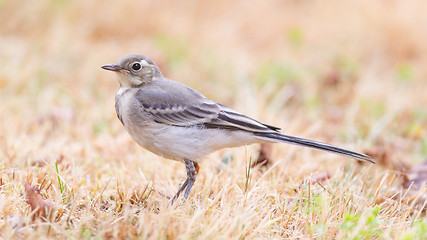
pixel 179 105
pixel 184 109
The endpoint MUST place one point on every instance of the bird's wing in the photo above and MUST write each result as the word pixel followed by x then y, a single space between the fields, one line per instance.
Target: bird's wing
pixel 231 119
pixel 173 103
pixel 183 108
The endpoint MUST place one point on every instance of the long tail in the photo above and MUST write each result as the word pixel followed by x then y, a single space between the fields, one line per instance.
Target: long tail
pixel 277 137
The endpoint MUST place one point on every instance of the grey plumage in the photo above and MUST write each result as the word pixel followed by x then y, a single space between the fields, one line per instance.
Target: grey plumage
pixel 177 122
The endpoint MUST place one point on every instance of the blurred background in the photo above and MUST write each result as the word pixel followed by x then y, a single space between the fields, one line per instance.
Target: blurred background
pixel 351 72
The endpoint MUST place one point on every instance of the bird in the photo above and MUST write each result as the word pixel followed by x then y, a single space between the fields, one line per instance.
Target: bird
pixel 177 122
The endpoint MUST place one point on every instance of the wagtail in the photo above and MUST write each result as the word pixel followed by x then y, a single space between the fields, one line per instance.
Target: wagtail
pixel 176 122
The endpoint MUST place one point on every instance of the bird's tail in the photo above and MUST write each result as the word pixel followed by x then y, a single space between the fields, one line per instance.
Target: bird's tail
pixel 277 137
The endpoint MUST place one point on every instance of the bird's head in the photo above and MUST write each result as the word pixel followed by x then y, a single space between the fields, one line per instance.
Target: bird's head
pixel 134 70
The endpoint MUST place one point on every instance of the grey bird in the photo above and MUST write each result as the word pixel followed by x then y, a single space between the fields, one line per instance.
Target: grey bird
pixel 176 122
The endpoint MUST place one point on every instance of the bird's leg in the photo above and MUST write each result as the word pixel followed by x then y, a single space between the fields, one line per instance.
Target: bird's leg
pixel 191 176
pixel 192 170
pixel 179 191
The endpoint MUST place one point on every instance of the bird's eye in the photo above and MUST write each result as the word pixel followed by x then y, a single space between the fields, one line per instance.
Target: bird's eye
pixel 136 66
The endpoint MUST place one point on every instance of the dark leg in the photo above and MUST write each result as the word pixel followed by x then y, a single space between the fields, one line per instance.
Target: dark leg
pixel 192 170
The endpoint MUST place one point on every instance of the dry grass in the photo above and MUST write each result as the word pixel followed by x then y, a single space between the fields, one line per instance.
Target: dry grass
pixel 353 74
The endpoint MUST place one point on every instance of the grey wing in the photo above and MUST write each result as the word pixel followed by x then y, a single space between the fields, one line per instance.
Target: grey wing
pixel 175 104
pixel 231 119
pixel 182 107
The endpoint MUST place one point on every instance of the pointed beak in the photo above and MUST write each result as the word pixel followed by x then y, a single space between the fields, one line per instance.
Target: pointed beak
pixel 112 67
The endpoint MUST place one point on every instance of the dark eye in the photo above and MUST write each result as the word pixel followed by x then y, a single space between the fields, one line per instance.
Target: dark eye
pixel 136 66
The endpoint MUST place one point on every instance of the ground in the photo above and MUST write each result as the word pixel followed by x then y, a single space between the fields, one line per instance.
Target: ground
pixel 350 73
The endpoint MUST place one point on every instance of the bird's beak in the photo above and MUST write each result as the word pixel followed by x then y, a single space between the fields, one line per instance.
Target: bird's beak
pixel 112 67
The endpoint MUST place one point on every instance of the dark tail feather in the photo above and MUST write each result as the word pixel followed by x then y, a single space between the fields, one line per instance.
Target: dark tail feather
pixel 277 137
